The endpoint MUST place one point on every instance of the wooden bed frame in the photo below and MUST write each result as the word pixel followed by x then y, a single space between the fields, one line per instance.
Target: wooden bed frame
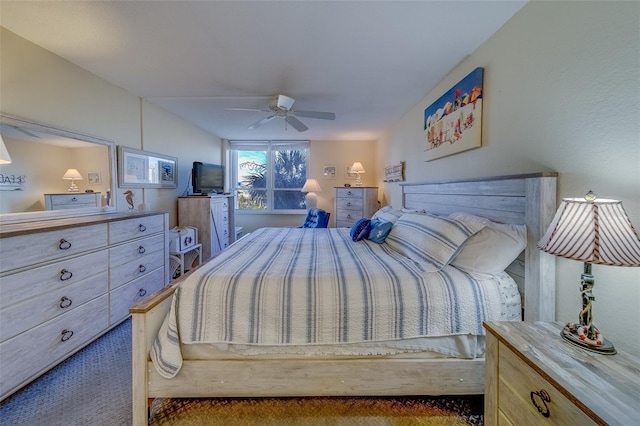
pixel 522 199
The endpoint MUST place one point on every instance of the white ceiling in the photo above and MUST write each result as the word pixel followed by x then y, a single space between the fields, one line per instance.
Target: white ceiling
pixel 369 62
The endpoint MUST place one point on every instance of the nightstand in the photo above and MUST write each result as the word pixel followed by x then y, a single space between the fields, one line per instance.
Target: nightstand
pixel 532 376
pixel 184 260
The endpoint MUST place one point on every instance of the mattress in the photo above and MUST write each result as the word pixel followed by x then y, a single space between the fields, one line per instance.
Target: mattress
pixel 315 292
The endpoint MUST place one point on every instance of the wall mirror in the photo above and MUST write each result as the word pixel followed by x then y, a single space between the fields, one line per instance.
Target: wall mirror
pixel 40 156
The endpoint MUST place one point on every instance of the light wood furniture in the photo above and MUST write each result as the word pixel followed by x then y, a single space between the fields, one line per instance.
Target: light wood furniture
pixel 72 200
pixel 352 204
pixel 215 219
pixel 534 377
pixel 65 282
pixel 524 199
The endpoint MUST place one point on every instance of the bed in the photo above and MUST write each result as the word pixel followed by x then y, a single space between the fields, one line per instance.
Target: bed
pixel 520 200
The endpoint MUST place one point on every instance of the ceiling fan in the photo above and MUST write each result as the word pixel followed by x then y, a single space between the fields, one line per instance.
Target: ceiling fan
pixel 284 109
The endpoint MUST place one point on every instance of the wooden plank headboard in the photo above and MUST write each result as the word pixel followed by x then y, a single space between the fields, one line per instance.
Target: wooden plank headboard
pixel 528 199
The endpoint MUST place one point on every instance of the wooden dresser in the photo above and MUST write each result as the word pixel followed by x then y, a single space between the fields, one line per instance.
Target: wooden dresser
pixel 213 216
pixel 354 203
pixel 533 376
pixel 72 200
pixel 65 282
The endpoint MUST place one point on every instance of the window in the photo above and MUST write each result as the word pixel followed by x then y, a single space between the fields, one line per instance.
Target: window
pixel 269 175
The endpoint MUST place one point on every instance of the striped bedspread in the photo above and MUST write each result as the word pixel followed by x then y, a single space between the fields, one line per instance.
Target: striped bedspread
pixel 293 286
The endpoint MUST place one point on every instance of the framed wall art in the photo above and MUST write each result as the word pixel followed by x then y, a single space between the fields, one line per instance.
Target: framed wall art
pixel 453 123
pixel 143 169
pixel 329 172
pixel 93 178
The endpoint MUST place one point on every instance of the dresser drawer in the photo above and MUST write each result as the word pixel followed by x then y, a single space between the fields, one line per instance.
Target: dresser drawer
pixel 126 272
pixel 351 204
pixel 72 200
pixel 128 295
pixel 25 285
pixel 129 229
pixel 349 193
pixel 20 317
pixel 23 250
pixel 348 216
pixel 137 249
pixel 520 386
pixel 29 354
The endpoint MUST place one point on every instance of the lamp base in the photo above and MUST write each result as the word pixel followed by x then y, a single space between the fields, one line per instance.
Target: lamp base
pixel 311 200
pixel 73 188
pixel 358 180
pixel 571 333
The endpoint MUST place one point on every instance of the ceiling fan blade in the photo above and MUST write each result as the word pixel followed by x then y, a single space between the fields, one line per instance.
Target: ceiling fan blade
pixel 261 122
pixel 247 109
pixel 296 124
pixel 315 114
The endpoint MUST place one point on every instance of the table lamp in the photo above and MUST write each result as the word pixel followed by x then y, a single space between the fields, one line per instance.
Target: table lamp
pixel 311 186
pixel 594 231
pixel 357 169
pixel 73 175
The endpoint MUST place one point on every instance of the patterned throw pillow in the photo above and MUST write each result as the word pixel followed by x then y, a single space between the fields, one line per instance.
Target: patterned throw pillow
pixel 364 233
pixel 380 231
pixel 358 227
pixel 433 241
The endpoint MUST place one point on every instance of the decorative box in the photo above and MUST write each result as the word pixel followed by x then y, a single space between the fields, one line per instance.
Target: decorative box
pixel 181 238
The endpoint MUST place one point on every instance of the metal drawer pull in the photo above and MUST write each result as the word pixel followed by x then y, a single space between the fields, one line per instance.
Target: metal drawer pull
pixel 349 203
pixel 544 397
pixel 65 302
pixel 142 292
pixel 348 192
pixel 74 199
pixel 65 275
pixel 142 228
pixel 349 216
pixel 64 244
pixel 141 249
pixel 66 335
pixel 142 268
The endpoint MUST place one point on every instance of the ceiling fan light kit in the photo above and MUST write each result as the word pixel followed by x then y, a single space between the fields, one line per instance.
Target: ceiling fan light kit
pixel 284 109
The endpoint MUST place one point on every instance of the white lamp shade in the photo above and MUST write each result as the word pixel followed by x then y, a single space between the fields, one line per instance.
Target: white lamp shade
pixel 357 168
pixel 5 158
pixel 597 231
pixel 72 174
pixel 311 185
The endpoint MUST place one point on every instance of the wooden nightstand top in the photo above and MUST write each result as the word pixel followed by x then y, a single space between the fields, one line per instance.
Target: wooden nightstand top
pixel 605 387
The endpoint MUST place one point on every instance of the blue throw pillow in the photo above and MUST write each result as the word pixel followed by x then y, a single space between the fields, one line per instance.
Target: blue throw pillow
pixel 358 227
pixel 379 232
pixel 364 233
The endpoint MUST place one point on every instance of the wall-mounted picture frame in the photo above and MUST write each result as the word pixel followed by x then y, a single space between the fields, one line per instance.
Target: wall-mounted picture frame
pixel 453 123
pixel 348 174
pixel 93 178
pixel 329 172
pixel 143 169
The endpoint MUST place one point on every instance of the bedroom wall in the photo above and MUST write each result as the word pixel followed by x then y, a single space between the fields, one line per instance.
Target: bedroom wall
pixel 323 153
pixel 40 86
pixel 561 92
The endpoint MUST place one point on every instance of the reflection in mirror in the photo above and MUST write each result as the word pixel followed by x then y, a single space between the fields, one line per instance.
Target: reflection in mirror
pixel 32 186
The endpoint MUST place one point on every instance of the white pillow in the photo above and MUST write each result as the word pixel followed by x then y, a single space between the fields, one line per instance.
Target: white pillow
pixel 387 214
pixel 492 249
pixel 430 240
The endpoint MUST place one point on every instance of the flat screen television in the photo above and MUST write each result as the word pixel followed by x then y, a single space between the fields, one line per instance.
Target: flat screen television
pixel 207 178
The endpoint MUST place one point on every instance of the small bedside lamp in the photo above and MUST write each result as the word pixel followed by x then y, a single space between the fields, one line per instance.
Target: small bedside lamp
pixel 357 169
pixel 72 175
pixel 311 186
pixel 5 158
pixel 592 231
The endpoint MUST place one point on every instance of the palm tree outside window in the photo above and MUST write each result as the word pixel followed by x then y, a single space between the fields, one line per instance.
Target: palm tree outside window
pixel 269 175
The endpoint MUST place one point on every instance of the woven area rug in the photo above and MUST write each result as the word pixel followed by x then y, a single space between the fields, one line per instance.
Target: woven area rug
pixel 319 411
